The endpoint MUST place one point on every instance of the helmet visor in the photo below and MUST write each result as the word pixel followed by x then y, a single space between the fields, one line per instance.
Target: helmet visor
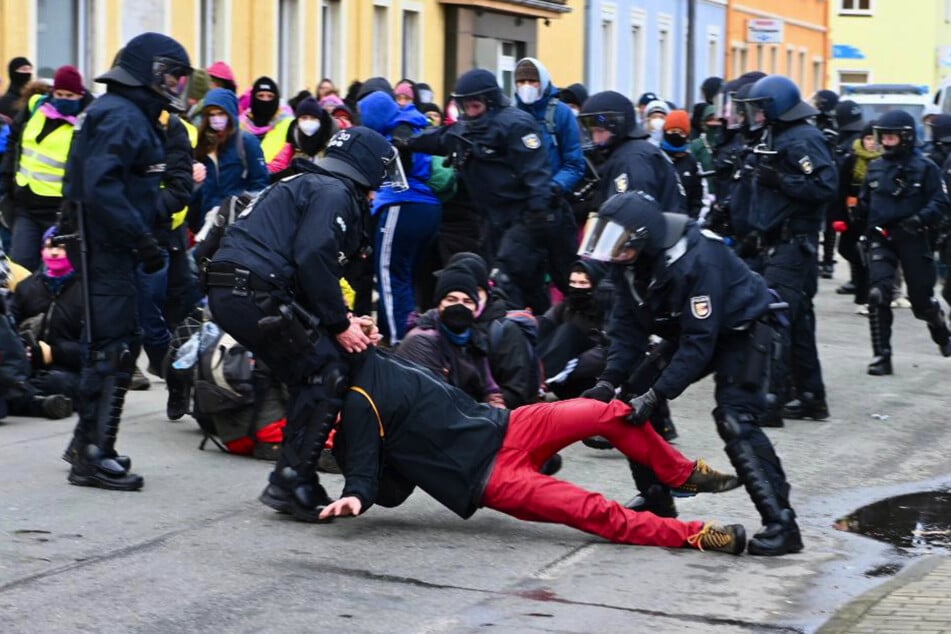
pixel 728 109
pixel 394 177
pixel 170 79
pixel 607 241
pixel 756 113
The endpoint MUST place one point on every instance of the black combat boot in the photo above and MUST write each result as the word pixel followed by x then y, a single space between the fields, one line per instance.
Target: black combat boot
pixel 54 406
pixel 879 322
pixel 934 317
pixel 808 405
pixel 657 500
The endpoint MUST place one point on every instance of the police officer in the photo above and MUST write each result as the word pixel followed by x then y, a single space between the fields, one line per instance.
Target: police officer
pixel 826 101
pixel 274 285
pixel 793 178
pixel 628 160
pixel 498 152
pixel 941 155
pixel 115 165
pixel 685 285
pixel 904 198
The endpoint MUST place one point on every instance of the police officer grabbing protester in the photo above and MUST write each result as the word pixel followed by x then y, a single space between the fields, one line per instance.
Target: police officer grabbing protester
pixel 116 163
pixel 274 285
pixel 793 178
pixel 904 200
pixel 679 282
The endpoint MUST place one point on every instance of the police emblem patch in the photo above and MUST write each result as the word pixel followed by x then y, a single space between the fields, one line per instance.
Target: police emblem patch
pixel 531 141
pixel 700 306
pixel 620 183
pixel 805 164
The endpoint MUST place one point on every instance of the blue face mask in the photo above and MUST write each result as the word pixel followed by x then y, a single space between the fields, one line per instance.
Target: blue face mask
pixel 67 107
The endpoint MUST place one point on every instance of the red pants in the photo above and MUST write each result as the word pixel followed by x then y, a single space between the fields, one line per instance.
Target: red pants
pixel 537 432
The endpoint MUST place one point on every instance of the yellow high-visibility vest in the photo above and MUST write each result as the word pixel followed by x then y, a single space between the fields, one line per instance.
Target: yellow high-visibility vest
pixel 43 165
pixel 275 139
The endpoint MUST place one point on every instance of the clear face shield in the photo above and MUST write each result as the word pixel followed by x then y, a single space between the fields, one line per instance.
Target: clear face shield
pixel 170 79
pixel 756 113
pixel 394 177
pixel 598 128
pixel 607 241
pixel 726 109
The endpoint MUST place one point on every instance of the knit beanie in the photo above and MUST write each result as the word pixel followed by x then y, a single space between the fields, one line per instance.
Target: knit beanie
pixel 474 263
pixel 456 278
pixel 526 71
pixel 308 106
pixel 68 78
pixel 678 119
pixel 656 106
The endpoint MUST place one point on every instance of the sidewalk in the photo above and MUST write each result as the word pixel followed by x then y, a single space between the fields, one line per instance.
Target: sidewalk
pixel 916 601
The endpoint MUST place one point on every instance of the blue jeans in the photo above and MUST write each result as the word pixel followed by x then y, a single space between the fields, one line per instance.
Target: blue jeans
pixel 26 241
pixel 151 295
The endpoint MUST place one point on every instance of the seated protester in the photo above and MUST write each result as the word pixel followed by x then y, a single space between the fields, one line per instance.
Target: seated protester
pixel 307 137
pixel 401 427
pixel 48 310
pixel 266 120
pixel 512 359
pixel 676 144
pixel 571 341
pixel 338 111
pixel 445 340
pixel 232 157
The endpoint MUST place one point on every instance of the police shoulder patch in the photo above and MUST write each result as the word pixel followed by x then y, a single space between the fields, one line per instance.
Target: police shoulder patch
pixel 805 164
pixel 531 141
pixel 700 306
pixel 620 183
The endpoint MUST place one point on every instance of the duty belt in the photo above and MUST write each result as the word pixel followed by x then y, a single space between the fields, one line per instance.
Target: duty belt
pixel 235 277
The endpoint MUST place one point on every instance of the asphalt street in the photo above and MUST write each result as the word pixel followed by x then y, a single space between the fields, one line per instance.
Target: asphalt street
pixel 195 552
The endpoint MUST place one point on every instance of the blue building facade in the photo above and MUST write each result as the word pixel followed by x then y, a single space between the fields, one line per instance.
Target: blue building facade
pixel 636 46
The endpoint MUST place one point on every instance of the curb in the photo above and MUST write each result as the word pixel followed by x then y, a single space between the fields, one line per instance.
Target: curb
pixel 853 612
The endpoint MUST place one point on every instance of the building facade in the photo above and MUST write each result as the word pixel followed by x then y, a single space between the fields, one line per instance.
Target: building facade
pixel 636 46
pixel 298 42
pixel 870 42
pixel 780 37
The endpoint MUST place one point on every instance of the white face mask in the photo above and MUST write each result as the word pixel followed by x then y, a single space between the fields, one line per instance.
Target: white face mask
pixel 528 93
pixel 218 122
pixel 308 126
pixel 656 124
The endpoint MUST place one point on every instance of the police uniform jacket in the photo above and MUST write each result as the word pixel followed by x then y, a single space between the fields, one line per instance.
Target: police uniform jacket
pixel 808 180
pixel 896 189
pixel 637 164
pixel 401 423
pixel 297 236
pixel 702 292
pixel 501 159
pixel 115 165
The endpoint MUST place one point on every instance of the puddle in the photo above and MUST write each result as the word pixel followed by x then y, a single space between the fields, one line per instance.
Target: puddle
pixel 916 523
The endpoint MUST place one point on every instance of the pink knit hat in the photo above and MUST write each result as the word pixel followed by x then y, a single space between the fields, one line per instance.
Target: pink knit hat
pixel 221 70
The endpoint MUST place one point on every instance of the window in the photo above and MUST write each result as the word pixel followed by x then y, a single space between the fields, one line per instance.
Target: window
pixel 381 40
pixel 608 53
pixel 713 53
pixel 60 40
pixel 818 74
pixel 801 77
pixel 852 77
pixel 759 58
pixel 790 63
pixel 331 41
pixel 665 49
pixel 773 59
pixel 411 46
pixel 141 16
pixel 855 7
pixel 638 59
pixel 508 54
pixel 214 32
pixel 288 54
pixel 738 58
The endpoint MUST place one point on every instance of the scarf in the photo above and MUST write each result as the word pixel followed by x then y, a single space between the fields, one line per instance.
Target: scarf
pixel 862 158
pixel 52 113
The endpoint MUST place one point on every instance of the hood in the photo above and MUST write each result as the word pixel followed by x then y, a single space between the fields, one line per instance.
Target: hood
pixel 224 99
pixel 379 112
pixel 544 78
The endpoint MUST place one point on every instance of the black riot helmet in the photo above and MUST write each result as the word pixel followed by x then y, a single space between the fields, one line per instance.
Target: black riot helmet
pixel 366 158
pixel 728 109
pixel 848 115
pixel 609 111
pixel 896 122
pixel 629 225
pixel 481 84
pixel 157 62
pixel 775 99
pixel 825 101
pixel 940 128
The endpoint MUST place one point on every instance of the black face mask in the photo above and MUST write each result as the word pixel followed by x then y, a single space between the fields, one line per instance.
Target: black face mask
pixel 457 318
pixel 676 140
pixel 580 299
pixel 263 111
pixel 20 79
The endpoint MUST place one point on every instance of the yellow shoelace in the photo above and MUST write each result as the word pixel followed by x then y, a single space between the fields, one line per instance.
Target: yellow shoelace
pixel 710 535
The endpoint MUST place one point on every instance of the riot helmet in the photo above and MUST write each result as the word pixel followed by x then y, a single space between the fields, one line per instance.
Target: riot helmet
pixel 610 111
pixel 825 102
pixel 848 115
pixel 941 128
pixel 629 225
pixel 157 62
pixel 478 84
pixel 366 158
pixel 899 123
pixel 775 99
pixel 731 112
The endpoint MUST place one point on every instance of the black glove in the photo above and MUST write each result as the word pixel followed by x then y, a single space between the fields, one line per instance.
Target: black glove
pixel 149 253
pixel 642 407
pixel 602 391
pixel 912 224
pixel 768 177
